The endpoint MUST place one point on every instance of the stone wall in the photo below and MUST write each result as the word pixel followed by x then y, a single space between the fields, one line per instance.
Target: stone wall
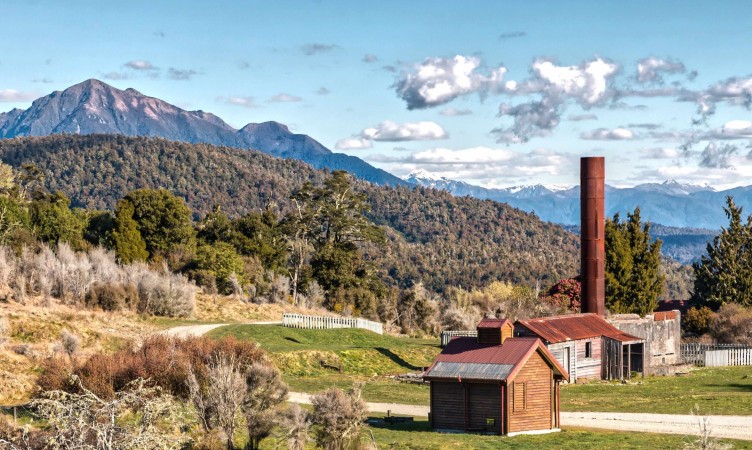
pixel 662 334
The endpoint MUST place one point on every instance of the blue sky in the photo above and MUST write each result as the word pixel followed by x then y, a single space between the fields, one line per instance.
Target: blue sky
pixel 493 93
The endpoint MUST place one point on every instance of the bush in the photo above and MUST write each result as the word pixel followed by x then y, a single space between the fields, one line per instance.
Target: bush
pixel 698 320
pixel 69 343
pixel 163 360
pixel 732 325
pixel 112 296
pixel 338 417
pixel 221 260
pixel 166 295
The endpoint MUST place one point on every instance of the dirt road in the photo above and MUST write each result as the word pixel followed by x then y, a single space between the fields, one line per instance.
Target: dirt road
pixel 200 330
pixel 732 427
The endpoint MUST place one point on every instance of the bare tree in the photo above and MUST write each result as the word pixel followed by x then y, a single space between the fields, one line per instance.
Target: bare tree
pixel 294 426
pixel 338 418
pixel 86 421
pixel 265 391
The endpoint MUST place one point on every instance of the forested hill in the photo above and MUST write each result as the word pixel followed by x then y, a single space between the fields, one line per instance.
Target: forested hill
pixel 433 237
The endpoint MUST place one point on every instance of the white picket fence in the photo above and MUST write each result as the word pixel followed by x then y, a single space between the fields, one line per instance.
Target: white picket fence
pixel 716 354
pixel 447 336
pixel 728 357
pixel 327 323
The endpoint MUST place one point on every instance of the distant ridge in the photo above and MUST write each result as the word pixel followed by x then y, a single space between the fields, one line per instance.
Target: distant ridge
pixel 94 107
pixel 669 203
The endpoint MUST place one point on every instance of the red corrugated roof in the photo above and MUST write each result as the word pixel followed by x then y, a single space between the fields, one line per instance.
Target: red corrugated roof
pixel 573 327
pixel 493 323
pixel 514 351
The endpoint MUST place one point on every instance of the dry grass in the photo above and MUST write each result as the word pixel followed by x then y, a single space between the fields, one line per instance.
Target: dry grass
pixel 34 330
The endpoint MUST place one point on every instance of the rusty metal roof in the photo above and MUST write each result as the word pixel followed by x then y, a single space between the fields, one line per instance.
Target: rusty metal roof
pixel 493 323
pixel 470 371
pixel 573 327
pixel 466 357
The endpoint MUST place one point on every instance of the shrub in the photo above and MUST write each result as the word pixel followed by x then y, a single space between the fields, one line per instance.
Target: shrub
pixel 732 325
pixel 56 374
pixel 163 360
pixel 112 296
pixel 338 417
pixel 69 342
pixel 166 295
pixel 221 260
pixel 697 320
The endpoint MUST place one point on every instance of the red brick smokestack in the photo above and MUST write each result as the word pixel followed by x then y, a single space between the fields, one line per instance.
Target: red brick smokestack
pixel 593 234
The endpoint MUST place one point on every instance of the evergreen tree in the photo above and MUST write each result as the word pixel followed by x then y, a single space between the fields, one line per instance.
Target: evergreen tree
pixel 333 218
pixel 53 221
pixel 129 245
pixel 163 220
pixel 633 277
pixel 724 275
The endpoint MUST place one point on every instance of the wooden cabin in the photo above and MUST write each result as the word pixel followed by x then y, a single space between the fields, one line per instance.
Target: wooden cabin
pixel 587 345
pixel 495 383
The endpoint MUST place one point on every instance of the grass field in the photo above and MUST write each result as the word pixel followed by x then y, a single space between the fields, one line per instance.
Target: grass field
pixel 310 361
pixel 722 391
pixel 418 436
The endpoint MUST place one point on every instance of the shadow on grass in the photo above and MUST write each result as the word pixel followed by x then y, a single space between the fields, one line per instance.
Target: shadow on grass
pixel 736 387
pixel 293 340
pixel 415 426
pixel 397 360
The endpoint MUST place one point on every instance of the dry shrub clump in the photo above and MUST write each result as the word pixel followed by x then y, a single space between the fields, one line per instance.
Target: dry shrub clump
pixel 732 325
pixel 165 361
pixel 94 279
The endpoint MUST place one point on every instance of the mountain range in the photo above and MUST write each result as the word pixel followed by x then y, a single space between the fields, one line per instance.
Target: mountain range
pixel 669 203
pixel 94 107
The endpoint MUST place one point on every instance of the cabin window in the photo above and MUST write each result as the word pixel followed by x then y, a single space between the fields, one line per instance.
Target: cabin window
pixel 519 401
pixel 588 349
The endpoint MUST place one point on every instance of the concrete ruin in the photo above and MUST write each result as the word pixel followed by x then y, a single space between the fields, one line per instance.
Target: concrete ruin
pixel 662 334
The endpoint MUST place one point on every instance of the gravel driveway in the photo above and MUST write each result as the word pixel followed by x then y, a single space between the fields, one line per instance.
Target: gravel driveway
pixel 732 427
pixel 200 330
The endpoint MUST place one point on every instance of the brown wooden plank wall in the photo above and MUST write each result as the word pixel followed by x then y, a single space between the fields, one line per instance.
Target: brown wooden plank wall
pixel 536 374
pixel 490 336
pixel 447 405
pixel 484 403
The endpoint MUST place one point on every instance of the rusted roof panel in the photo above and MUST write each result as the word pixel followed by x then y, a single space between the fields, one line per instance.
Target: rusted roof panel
pixel 468 350
pixel 574 327
pixel 493 323
pixel 470 371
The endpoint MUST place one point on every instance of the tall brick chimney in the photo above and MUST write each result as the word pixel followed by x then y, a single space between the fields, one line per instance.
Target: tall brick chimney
pixel 593 234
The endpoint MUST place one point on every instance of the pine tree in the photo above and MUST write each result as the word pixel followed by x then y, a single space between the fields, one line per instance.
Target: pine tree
pixel 129 245
pixel 633 278
pixel 724 275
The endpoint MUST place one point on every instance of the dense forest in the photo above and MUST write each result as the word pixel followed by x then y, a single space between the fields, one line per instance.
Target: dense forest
pixel 432 237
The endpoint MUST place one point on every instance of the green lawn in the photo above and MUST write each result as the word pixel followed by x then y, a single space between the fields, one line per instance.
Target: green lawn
pixel 310 361
pixel 723 391
pixel 418 435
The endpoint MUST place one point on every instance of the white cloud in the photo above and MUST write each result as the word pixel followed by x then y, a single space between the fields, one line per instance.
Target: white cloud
pixel 450 112
pixel 116 76
pixel 369 58
pixel 439 80
pixel 180 74
pixel 650 69
pixel 353 143
pixel 492 167
pixel 14 96
pixel 660 153
pixel 409 131
pixel 585 83
pixel 245 102
pixel 581 117
pixel 323 91
pixel 139 64
pixel 604 134
pixel 285 98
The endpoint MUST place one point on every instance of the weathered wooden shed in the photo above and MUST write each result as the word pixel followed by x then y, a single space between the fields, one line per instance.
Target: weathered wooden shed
pixel 587 345
pixel 495 383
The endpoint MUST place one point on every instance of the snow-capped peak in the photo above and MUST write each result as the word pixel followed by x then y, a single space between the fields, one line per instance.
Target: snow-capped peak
pixel 422 174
